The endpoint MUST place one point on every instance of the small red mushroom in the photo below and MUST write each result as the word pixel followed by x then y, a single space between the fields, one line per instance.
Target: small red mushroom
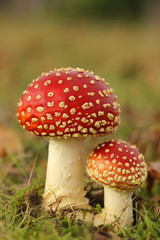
pixel 121 168
pixel 66 106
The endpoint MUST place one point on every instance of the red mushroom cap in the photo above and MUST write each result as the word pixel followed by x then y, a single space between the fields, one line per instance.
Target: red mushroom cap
pixel 117 164
pixel 68 102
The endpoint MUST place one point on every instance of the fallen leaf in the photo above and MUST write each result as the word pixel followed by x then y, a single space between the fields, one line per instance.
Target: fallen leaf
pixel 153 174
pixel 105 236
pixel 114 236
pixel 140 136
pixel 103 233
pixel 98 236
pixel 9 141
pixel 156 198
pixel 154 169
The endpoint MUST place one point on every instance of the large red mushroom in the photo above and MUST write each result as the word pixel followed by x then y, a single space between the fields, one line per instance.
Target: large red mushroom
pixel 66 106
pixel 121 168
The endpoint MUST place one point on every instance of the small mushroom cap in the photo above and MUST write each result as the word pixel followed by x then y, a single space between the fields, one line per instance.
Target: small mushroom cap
pixel 68 102
pixel 117 164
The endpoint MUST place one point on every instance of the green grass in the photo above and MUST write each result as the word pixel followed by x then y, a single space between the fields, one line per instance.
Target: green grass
pixel 148 226
pixel 128 57
pixel 21 219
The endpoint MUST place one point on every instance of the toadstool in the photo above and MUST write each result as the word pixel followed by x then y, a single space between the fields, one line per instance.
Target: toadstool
pixel 65 106
pixel 121 168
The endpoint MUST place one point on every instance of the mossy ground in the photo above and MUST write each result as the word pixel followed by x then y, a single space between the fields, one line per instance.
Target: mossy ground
pixel 127 55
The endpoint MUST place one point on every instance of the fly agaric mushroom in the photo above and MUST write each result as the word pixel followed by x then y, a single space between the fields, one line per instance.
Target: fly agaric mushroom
pixel 67 105
pixel 121 169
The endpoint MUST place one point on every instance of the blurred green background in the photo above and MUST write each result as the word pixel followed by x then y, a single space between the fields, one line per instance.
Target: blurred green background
pixel 118 40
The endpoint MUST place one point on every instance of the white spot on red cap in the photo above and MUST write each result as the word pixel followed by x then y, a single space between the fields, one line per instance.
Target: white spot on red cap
pixel 60 81
pixel 69 78
pixel 19 104
pixel 73 111
pixel 66 90
pixel 29 109
pixel 23 113
pixel 51 127
pixel 34 119
pixel 50 104
pixel 76 88
pixel 47 82
pixel 38 96
pixel 72 98
pixel 91 94
pixel 65 115
pixel 50 94
pixel 29 98
pixel 79 76
pixel 40 109
pixel 98 101
pixel 58 74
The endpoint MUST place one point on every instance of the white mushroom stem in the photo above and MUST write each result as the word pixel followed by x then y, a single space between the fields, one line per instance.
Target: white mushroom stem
pixel 117 208
pixel 64 178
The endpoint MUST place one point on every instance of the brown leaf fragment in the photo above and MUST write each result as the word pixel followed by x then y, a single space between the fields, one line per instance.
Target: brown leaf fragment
pixel 154 169
pixel 9 141
pixel 156 198
pixel 114 236
pixel 106 236
pixel 98 236
pixel 150 183
pixel 153 173
pixel 102 233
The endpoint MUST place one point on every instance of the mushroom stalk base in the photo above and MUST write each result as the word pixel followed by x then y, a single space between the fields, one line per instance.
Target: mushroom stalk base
pixel 64 179
pixel 117 208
